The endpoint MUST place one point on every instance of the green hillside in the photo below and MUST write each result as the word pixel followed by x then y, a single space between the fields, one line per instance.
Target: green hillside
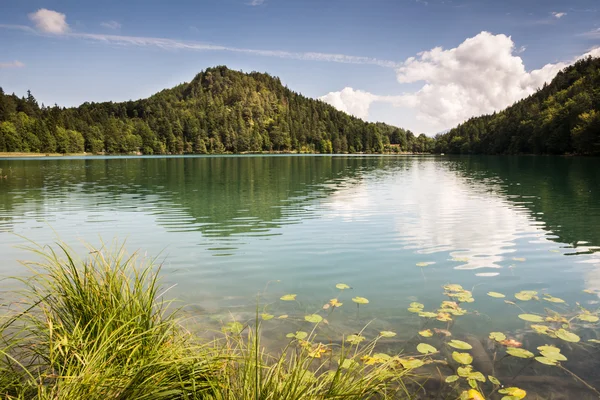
pixel 563 117
pixel 219 111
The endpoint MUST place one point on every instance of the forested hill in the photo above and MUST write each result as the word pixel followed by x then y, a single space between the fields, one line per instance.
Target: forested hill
pixel 561 118
pixel 219 111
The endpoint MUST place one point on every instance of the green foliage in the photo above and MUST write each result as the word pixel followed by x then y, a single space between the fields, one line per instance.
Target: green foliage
pixel 219 111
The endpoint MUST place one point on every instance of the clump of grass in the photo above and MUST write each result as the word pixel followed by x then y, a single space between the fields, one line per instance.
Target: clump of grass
pixel 98 328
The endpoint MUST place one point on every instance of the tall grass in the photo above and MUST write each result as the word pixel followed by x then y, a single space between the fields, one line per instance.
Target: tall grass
pixel 99 328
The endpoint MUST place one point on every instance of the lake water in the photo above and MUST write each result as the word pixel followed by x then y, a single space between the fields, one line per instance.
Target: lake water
pixel 226 225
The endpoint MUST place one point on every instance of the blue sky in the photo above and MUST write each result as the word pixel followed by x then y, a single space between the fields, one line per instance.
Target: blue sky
pixel 371 58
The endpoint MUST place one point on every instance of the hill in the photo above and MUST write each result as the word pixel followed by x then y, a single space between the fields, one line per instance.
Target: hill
pixel 563 117
pixel 219 111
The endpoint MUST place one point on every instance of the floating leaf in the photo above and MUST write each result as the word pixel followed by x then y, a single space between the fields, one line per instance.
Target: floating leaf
pixel 477 376
pixel 511 343
pixel 342 286
pixel 233 327
pixel 428 315
pixel 594 340
pixel 425 264
pixel 496 295
pixel 531 317
pixel 417 305
pixel 415 310
pixel 462 358
pixel 288 297
pixel 464 371
pixel 426 333
pixel 452 378
pixel 326 306
pixel 335 303
pixel 513 391
pixel 284 316
pixel 549 349
pixel 521 259
pixel 300 335
pixel 355 339
pixel 444 317
pixel 494 380
pixel 588 318
pixel 387 334
pixel 453 287
pixel 512 303
pixel 425 348
pixel 554 356
pixel 412 363
pixel 267 317
pixel 497 336
pixel 459 344
pixel 553 299
pixel 588 291
pixel 542 329
pixel 314 318
pixel 521 353
pixel 567 336
pixel 473 394
pixel 360 300
pixel 545 360
pixel 523 296
pixel 444 332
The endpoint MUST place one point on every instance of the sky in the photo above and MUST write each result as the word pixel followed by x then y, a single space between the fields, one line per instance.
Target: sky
pixel 424 65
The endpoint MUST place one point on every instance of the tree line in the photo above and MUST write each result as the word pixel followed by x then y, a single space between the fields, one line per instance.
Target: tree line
pixel 219 111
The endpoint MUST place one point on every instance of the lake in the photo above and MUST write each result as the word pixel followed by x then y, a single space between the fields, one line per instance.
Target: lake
pixel 394 228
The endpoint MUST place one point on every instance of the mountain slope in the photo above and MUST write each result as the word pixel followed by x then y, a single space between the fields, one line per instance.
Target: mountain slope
pixel 219 111
pixel 563 117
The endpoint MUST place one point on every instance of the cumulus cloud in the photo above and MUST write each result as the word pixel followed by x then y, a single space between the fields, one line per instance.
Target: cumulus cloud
pixel 354 102
pixel 256 2
pixel 482 75
pixel 13 64
pixel 49 21
pixel 559 15
pixel 114 25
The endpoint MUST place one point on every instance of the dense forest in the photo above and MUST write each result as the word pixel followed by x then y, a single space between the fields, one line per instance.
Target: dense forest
pixel 563 117
pixel 219 111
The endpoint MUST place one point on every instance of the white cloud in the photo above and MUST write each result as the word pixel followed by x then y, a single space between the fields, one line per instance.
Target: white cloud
pixel 114 25
pixel 49 21
pixel 354 102
pixel 13 64
pixel 256 2
pixel 559 15
pixel 481 75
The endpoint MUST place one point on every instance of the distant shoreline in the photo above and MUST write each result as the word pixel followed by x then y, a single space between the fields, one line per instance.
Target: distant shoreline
pixel 44 155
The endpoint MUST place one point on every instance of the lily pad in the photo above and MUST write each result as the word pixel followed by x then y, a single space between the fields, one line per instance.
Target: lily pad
pixel 387 334
pixel 459 344
pixel 594 341
pixel 531 318
pixel 428 314
pixel 462 358
pixel 494 380
pixel 476 376
pixel 288 297
pixel 355 339
pixel 496 295
pixel 567 336
pixel 267 317
pixel 553 299
pixel 545 360
pixel 548 348
pixel 497 336
pixel 554 356
pixel 342 286
pixel 417 305
pixel 588 318
pixel 426 333
pixel 300 335
pixel 314 318
pixel 335 303
pixel 284 316
pixel 425 348
pixel 412 363
pixel 521 353
pixel 452 378
pixel 513 391
pixel 425 264
pixel 360 300
pixel 233 327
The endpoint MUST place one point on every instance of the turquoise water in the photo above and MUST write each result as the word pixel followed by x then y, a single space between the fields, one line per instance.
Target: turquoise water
pixel 225 226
